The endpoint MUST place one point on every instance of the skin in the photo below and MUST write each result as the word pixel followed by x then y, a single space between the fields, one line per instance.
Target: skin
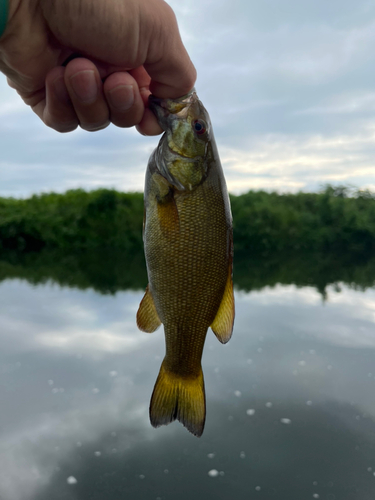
pixel 128 49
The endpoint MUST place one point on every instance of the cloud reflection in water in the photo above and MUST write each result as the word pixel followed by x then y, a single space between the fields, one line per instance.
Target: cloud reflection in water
pixel 77 377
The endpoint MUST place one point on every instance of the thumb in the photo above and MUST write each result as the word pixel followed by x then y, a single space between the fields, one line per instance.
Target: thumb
pixel 168 63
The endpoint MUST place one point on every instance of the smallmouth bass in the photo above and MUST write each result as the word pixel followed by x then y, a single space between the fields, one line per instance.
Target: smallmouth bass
pixel 188 245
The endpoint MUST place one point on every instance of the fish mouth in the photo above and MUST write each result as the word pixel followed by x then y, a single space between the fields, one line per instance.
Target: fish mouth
pixel 154 101
pixel 159 100
pixel 177 107
pixel 156 106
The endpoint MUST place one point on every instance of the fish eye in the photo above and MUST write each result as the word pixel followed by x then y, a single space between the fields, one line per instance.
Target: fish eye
pixel 199 126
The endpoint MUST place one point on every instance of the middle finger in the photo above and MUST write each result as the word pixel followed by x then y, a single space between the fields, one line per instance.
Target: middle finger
pixel 85 89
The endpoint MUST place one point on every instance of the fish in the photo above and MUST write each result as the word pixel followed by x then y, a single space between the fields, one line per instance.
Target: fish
pixel 188 245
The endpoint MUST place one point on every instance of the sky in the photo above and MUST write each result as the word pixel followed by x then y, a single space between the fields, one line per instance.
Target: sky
pixel 289 86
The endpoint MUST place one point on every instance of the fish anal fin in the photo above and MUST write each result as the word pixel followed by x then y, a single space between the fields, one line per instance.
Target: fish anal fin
pixel 179 398
pixel 222 325
pixel 147 317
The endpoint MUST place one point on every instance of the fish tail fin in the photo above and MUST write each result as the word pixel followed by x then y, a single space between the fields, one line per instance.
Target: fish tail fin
pixel 179 397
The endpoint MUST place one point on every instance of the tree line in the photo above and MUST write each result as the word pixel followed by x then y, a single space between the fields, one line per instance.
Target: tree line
pixel 336 219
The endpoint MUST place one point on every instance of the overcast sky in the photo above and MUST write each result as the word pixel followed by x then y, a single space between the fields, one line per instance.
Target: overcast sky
pixel 289 85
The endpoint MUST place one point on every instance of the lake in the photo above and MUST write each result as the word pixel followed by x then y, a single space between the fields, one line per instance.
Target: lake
pixel 290 399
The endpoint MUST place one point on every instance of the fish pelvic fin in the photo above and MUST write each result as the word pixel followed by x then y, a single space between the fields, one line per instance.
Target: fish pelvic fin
pixel 222 325
pixel 179 397
pixel 147 317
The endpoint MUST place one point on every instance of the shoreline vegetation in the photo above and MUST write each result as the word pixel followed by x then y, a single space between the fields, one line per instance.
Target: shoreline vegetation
pixel 333 220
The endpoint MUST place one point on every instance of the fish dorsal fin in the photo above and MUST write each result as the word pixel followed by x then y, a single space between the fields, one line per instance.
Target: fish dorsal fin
pixel 222 325
pixel 147 318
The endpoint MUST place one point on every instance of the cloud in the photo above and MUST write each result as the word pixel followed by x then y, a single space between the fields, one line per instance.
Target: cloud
pixel 300 162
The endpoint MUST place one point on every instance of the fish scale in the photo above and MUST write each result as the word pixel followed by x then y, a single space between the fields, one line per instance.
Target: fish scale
pixel 195 262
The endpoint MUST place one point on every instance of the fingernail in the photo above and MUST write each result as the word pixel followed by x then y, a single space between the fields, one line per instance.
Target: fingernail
pixel 93 127
pixel 60 90
pixel 121 97
pixel 85 86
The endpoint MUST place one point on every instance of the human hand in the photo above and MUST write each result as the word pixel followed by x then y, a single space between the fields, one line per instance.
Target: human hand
pixel 129 49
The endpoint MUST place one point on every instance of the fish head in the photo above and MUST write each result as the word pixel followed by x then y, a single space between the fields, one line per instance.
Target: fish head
pixel 183 148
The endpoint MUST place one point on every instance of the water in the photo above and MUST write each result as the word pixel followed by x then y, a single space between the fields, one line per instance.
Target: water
pixel 290 399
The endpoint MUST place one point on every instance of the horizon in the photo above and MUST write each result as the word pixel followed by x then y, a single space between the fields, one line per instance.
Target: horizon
pixel 350 191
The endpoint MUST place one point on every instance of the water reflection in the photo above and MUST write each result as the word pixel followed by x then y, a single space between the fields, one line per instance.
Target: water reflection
pixel 109 271
pixel 290 406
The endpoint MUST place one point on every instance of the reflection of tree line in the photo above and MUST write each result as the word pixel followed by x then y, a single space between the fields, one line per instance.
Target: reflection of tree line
pixel 95 239
pixel 105 271
pixel 109 271
pixel 304 268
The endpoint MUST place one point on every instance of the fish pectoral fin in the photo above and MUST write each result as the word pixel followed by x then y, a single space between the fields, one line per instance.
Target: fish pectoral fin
pixel 181 398
pixel 147 318
pixel 166 206
pixel 168 218
pixel 222 325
